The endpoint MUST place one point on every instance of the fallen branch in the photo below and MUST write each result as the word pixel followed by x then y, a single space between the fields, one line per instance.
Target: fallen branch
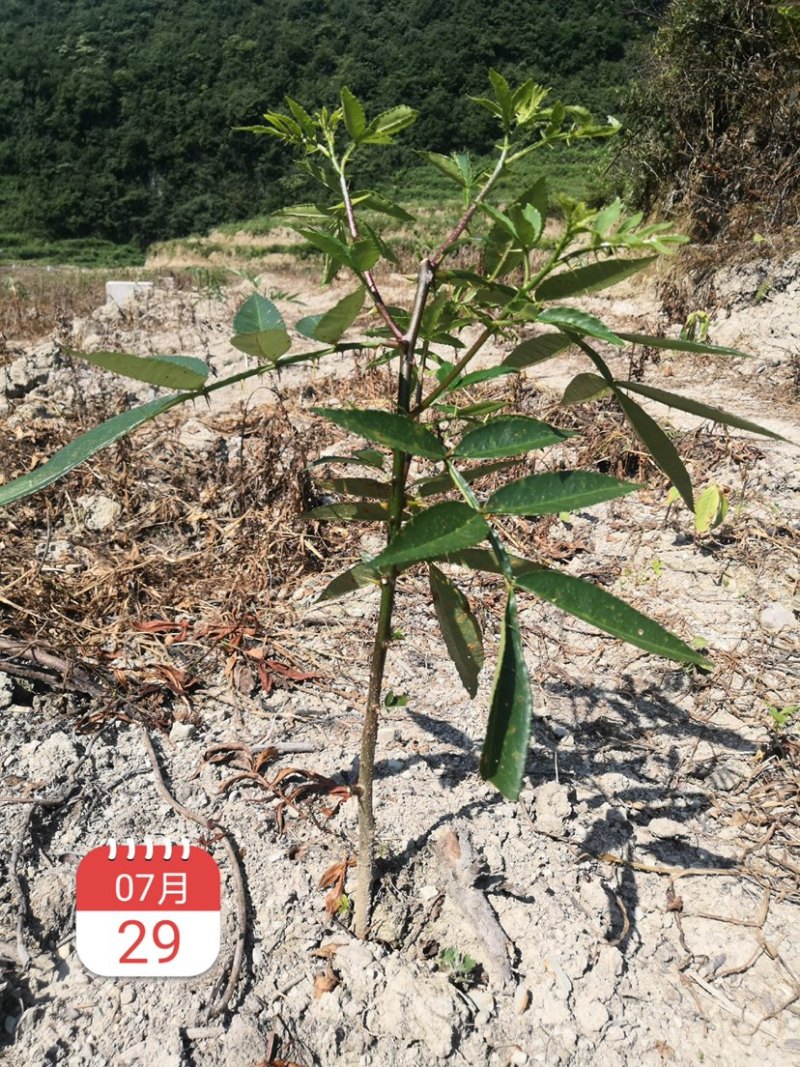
pixel 454 851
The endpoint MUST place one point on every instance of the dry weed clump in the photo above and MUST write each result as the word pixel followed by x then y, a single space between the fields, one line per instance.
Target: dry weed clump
pixel 36 301
pixel 198 533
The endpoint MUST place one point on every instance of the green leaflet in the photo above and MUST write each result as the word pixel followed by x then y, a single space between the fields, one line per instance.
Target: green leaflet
pixel 256 315
pixel 599 608
pixel 711 507
pixel 585 387
pixel 348 582
pixel 509 435
pixel 397 432
pixel 505 748
pixel 659 446
pixel 590 279
pixel 350 511
pixel 354 118
pixel 460 630
pixel 537 350
pixel 482 559
pixel 694 407
pixel 267 344
pixel 579 322
pixel 547 494
pixel 443 483
pixel 369 487
pixel 73 454
pixel 330 326
pixel 434 532
pixel 168 372
pixel 678 344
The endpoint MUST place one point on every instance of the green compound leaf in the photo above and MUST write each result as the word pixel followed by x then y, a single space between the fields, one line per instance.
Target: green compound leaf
pixel 330 326
pixel 256 315
pixel 579 322
pixel 590 279
pixel 678 344
pixel 508 435
pixel 694 407
pixel 350 511
pixel 459 627
pixel 168 372
pixel 659 446
pixel 599 608
pixel 348 582
pixel 505 748
pixel 443 483
pixel 537 350
pixel 548 494
pixel 440 529
pixel 79 450
pixel 397 432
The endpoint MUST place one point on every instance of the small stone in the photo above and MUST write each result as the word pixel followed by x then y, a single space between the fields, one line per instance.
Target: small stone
pixel 182 731
pixel 196 437
pixel 667 828
pixel 522 1001
pixel 483 1001
pixel 615 1033
pixel 590 1014
pixel 553 808
pixel 386 735
pixel 777 617
pixel 428 892
pixel 99 512
pixel 518 1058
pixel 723 779
pixel 128 995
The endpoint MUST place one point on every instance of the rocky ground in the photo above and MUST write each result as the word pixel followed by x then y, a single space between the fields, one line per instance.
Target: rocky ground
pixel 647 882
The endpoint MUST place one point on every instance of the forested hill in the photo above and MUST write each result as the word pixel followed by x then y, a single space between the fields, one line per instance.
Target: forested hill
pixel 116 115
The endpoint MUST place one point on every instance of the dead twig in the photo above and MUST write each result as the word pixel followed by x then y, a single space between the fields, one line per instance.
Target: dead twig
pixel 454 851
pixel 216 1007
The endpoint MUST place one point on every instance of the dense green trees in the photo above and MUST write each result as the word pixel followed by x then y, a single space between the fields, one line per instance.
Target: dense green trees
pixel 116 116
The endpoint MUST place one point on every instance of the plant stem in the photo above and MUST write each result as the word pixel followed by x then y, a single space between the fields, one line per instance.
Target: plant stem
pixel 383 633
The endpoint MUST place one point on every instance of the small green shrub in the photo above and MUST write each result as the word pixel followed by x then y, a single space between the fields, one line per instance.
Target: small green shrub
pixel 429 440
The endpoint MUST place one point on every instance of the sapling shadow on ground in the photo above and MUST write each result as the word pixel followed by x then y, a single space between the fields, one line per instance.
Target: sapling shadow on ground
pixel 429 446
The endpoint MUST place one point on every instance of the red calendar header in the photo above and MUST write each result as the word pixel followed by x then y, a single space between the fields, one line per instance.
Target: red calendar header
pixel 148 877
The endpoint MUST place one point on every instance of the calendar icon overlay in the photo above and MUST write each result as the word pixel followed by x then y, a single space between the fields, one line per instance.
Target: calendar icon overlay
pixel 148 910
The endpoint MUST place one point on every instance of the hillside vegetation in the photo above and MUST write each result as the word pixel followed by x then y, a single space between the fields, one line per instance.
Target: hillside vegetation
pixel 117 116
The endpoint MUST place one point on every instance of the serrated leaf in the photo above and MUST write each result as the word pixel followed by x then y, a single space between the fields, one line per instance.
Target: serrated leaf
pixel 590 279
pixel 354 118
pixel 607 217
pixel 447 166
pixel 599 608
pixel 694 407
pixel 330 326
pixel 267 344
pixel 397 432
pixel 388 123
pixel 678 344
pixel 548 494
pixel 585 387
pixel 440 529
pixel 168 372
pixel 460 630
pixel 369 487
pixel 335 249
pixel 364 254
pixel 348 582
pixel 79 450
pixel 505 748
pixel 659 446
pixel 509 435
pixel 378 202
pixel 579 322
pixel 256 315
pixel 537 350
pixel 350 511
